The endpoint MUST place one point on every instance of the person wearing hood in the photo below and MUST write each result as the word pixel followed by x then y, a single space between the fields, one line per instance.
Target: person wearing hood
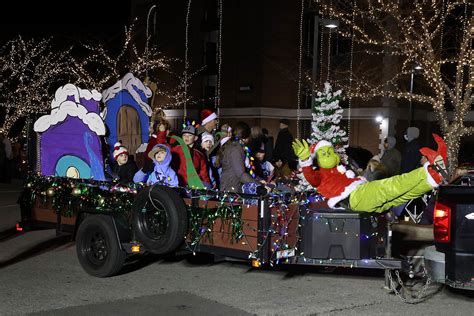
pixel 391 157
pixel 125 168
pixel 411 156
pixel 162 173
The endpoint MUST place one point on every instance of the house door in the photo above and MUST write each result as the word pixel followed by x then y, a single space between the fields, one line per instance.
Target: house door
pixel 129 129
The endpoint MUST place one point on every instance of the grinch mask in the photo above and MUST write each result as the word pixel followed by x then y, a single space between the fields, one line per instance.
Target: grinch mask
pixel 327 158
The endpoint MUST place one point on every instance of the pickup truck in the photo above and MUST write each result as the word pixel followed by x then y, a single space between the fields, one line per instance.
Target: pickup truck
pixel 451 259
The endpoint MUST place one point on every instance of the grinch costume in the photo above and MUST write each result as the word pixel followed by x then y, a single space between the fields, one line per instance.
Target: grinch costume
pixel 342 188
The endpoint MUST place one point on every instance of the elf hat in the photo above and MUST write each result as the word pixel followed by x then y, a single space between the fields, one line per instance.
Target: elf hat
pixel 207 116
pixel 119 149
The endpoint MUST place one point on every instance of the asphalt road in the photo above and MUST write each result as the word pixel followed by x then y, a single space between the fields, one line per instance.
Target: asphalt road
pixel 39 273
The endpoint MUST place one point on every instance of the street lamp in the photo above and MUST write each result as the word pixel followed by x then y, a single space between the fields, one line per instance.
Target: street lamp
pixel 412 77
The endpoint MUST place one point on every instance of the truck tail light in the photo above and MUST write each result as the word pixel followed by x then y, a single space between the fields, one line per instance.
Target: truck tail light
pixel 442 223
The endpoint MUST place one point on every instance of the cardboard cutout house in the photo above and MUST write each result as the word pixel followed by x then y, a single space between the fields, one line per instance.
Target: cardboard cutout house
pixel 127 113
pixel 70 144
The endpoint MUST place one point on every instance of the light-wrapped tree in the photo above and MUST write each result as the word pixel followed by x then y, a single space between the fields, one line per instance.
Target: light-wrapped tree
pixel 436 35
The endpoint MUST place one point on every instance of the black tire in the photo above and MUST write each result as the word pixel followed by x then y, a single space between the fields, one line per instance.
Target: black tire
pixel 98 248
pixel 161 224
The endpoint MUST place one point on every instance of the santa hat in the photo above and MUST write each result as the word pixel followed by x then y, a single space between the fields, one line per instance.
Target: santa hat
pixel 207 136
pixel 207 116
pixel 316 146
pixel 119 149
pixel 224 140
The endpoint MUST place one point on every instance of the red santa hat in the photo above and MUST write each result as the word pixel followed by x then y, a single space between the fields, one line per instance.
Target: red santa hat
pixel 119 149
pixel 314 147
pixel 207 116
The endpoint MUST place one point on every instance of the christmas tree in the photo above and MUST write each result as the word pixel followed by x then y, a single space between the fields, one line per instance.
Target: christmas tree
pixel 327 114
pixel 325 125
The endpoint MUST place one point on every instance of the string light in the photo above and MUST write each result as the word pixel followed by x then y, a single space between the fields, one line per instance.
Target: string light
pixel 186 62
pixel 420 41
pixel 219 66
pixel 300 57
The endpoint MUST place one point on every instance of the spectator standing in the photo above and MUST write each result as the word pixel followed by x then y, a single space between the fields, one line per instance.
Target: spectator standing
pixel 391 157
pixel 283 150
pixel 411 155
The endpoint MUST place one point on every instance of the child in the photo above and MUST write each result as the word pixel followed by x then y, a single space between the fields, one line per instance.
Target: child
pixel 162 173
pixel 125 168
pixel 207 143
pixel 266 168
pixel 178 162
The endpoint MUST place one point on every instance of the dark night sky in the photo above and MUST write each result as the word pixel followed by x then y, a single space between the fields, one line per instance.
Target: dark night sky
pixel 73 19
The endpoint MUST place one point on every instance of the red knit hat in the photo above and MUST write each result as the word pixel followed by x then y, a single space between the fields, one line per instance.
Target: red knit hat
pixel 207 116
pixel 119 149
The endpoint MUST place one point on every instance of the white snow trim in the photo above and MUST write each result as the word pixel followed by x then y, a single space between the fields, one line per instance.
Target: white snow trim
pixel 141 148
pixel 429 178
pixel 70 108
pixel 127 83
pixel 306 163
pixel 341 169
pixel 211 117
pixel 347 191
pixel 71 90
pixel 322 143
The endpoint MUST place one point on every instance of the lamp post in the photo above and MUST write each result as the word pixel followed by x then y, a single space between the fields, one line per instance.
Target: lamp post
pixel 412 77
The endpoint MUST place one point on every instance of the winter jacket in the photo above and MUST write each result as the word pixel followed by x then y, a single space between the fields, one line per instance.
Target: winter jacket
pixel 162 173
pixel 391 159
pixel 411 157
pixel 335 184
pixel 234 174
pixel 283 149
pixel 125 173
pixel 178 161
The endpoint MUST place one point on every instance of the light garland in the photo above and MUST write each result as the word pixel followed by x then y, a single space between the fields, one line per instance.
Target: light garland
pixel 420 41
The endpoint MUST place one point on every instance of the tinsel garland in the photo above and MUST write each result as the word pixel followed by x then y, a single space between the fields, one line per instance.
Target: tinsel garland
pixel 202 221
pixel 67 194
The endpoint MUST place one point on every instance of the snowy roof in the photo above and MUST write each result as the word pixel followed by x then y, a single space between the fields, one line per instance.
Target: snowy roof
pixel 129 83
pixel 71 90
pixel 73 109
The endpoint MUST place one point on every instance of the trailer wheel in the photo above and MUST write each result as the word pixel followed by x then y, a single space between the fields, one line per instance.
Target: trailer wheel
pixel 160 219
pixel 98 248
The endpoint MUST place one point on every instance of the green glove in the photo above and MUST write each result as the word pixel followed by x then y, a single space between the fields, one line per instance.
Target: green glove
pixel 301 149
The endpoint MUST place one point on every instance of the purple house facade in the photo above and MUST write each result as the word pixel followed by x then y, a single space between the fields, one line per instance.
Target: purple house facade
pixel 70 144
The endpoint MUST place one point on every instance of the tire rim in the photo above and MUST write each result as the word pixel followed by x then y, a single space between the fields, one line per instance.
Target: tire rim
pixel 96 247
pixel 154 219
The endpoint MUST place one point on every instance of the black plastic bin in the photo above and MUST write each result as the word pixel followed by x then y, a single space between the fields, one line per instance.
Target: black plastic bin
pixel 334 234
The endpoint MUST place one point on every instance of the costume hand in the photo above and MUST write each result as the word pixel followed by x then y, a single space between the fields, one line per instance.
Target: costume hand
pixel 301 149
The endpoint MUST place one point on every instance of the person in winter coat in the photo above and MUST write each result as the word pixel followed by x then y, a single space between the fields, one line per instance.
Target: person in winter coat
pixel 391 157
pixel 162 173
pixel 232 157
pixel 178 162
pixel 375 170
pixel 283 150
pixel 207 143
pixel 125 168
pixel 411 155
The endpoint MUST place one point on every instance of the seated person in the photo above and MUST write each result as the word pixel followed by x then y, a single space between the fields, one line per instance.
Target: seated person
pixel 266 168
pixel 179 155
pixel 375 170
pixel 207 143
pixel 232 157
pixel 124 168
pixel 162 173
pixel 342 189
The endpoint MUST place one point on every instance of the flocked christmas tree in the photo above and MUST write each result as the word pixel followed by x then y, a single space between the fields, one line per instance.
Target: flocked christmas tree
pixel 325 125
pixel 327 114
